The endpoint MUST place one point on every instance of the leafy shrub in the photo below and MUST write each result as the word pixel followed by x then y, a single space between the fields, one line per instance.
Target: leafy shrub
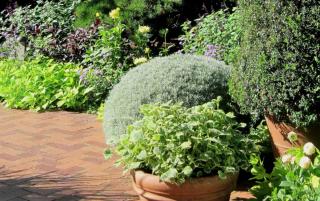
pixel 190 79
pixel 41 84
pixel 261 137
pixel 109 57
pixel 294 177
pixel 216 35
pixel 87 10
pixel 161 15
pixel 47 28
pixel 278 67
pixel 12 4
pixel 178 143
pixel 134 12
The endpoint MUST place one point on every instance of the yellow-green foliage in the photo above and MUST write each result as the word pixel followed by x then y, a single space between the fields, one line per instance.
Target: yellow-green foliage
pixel 41 84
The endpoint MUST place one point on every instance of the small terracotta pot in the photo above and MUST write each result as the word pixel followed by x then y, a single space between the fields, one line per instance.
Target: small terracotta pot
pixel 150 188
pixel 280 130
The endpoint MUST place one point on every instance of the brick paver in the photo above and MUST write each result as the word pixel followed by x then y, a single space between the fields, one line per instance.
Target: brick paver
pixel 57 156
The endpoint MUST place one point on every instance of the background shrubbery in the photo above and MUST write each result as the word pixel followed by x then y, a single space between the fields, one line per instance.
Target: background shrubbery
pixel 46 28
pixel 278 67
pixel 192 80
pixel 163 16
pixel 216 35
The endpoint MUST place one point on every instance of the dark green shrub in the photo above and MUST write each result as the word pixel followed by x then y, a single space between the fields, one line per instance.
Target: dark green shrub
pixel 190 79
pixel 278 69
pixel 160 15
pixel 133 12
pixel 216 35
pixel 86 12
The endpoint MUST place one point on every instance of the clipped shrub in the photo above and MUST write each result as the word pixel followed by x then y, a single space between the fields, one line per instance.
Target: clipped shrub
pixel 190 79
pixel 277 72
pixel 216 35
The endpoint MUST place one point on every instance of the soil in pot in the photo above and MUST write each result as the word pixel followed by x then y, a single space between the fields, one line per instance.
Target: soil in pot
pixel 279 134
pixel 150 188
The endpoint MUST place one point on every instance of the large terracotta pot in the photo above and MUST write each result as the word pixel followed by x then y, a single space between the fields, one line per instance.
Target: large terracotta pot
pixel 150 188
pixel 279 134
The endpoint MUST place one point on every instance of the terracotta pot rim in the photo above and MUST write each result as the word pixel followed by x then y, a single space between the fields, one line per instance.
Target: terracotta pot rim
pixel 209 188
pixel 132 172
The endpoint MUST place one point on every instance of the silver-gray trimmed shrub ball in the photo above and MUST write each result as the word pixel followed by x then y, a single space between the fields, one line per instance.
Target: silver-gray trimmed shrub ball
pixel 190 79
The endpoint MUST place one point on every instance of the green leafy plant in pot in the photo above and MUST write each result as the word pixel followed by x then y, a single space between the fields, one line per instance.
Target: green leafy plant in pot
pixel 277 70
pixel 178 153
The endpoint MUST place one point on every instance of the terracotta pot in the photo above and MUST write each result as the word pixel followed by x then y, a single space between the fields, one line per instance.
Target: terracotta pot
pixel 280 130
pixel 150 188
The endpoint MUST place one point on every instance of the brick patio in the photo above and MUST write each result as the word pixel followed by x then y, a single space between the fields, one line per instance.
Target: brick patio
pixel 58 156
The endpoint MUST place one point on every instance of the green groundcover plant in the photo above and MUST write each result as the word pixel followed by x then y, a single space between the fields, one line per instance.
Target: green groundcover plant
pixel 190 79
pixel 179 143
pixel 41 84
pixel 296 176
pixel 277 71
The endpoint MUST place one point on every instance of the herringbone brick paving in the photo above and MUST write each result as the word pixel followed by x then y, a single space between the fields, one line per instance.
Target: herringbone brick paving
pixel 57 156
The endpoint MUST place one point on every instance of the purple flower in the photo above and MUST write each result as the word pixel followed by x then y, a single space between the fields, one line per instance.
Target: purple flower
pixel 98 72
pixel 212 51
pixel 88 73
pixel 83 75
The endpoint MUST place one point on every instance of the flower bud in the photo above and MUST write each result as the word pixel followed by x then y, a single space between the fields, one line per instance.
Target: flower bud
pixel 140 60
pixel 144 29
pixel 115 13
pixel 292 136
pixel 305 162
pixel 147 50
pixel 309 149
pixel 286 158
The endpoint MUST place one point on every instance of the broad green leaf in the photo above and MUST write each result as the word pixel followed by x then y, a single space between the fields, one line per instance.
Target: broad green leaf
pixel 186 145
pixel 142 155
pixel 169 175
pixel 187 171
